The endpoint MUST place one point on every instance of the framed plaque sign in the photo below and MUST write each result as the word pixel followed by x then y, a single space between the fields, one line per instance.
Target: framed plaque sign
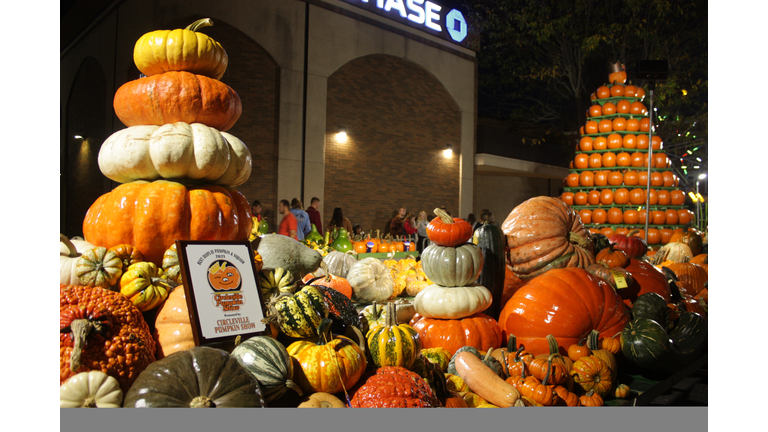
pixel 222 290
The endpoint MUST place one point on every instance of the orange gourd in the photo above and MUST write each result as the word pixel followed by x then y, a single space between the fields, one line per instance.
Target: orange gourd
pixel 599 216
pixel 585 144
pixel 580 198
pixel 609 159
pixel 609 108
pixel 615 178
pixel 621 196
pixel 600 143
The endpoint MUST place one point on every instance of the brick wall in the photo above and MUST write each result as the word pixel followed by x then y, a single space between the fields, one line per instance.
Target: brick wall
pixel 399 118
pixel 256 78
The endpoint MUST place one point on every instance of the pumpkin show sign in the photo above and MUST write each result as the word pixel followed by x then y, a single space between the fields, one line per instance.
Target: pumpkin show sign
pixel 222 290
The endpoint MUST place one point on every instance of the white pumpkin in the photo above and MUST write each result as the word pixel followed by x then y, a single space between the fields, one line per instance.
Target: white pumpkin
pixel 92 389
pixel 437 301
pixel 371 281
pixel 339 263
pixel 69 251
pixel 175 151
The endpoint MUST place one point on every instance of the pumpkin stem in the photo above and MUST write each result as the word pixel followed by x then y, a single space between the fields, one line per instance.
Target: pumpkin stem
pixel 89 402
pixel 81 328
pixel 593 339
pixel 549 369
pixel 443 216
pixel 324 331
pixel 202 402
pixel 391 312
pixel 205 22
pixel 578 239
pixel 72 250
pixel 512 343
pixel 633 232
pixel 553 347
pixel 293 386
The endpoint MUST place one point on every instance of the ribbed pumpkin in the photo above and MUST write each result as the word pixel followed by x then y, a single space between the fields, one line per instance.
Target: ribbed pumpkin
pixel 452 266
pixel 694 274
pixel 393 344
pixel 371 281
pixel 647 278
pixel 153 215
pixel 452 302
pixel 592 374
pixel 565 303
pixel 177 96
pixel 298 315
pixel 99 267
pixel 447 231
pixel 690 237
pixel 200 377
pixel 69 253
pixel 128 254
pixel 331 365
pixel 186 152
pixel 479 331
pixel 675 251
pixel 186 49
pixel 173 330
pixel 269 362
pixel 545 233
pixel 143 283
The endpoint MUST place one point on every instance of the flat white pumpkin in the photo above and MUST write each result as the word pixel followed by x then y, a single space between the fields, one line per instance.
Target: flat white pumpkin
pixel 175 151
pixel 437 301
pixel 69 252
pixel 92 389
pixel 371 281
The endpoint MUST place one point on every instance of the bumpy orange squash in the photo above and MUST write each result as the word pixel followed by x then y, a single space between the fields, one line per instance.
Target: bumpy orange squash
pixel 153 215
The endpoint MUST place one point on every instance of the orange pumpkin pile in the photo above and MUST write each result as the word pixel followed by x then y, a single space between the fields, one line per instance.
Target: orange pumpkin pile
pixel 609 174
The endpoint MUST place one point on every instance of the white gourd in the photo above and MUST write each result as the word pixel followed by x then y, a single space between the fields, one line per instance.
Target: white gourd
pixel 437 301
pixel 175 151
pixel 371 281
pixel 68 259
pixel 92 389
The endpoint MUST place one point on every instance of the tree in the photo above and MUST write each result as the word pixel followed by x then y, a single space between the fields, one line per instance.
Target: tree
pixel 540 60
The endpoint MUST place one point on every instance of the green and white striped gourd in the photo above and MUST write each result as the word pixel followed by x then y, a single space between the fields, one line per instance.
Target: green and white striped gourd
pixel 268 361
pixel 299 314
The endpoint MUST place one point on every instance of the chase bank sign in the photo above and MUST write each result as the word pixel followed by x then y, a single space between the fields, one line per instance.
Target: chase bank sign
pixel 423 14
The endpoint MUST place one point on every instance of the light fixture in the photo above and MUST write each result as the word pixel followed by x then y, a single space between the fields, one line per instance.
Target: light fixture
pixel 693 196
pixel 702 176
pixel 80 137
pixel 342 135
pixel 448 152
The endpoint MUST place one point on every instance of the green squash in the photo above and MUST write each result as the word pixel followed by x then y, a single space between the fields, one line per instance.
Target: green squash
pixel 342 243
pixel 688 338
pixel 263 226
pixel 315 236
pixel 645 343
pixel 268 361
pixel 200 377
pixel 492 242
pixel 393 344
pixel 299 314
pixel 600 242
pixel 279 251
pixel 452 266
pixel 652 305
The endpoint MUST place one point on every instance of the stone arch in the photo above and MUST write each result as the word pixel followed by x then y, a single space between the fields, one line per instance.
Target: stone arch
pixel 399 118
pixel 81 180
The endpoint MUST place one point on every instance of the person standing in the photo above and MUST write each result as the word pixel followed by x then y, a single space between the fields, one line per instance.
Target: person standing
pixel 289 224
pixel 421 231
pixel 314 214
pixel 255 217
pixel 339 221
pixel 397 227
pixel 302 219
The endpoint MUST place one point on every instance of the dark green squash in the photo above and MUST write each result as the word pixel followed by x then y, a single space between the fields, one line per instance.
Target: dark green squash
pixel 200 377
pixel 688 338
pixel 645 343
pixel 267 360
pixel 491 241
pixel 298 314
pixel 652 305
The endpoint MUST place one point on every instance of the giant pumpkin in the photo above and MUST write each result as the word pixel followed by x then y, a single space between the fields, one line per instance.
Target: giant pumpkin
pixel 545 233
pixel 566 303
pixel 153 215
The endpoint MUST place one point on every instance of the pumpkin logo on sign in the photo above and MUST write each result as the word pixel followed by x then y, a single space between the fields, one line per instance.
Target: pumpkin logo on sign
pixel 224 278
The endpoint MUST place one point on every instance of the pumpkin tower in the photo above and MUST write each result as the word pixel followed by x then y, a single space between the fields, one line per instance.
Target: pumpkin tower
pixel 608 180
pixel 177 165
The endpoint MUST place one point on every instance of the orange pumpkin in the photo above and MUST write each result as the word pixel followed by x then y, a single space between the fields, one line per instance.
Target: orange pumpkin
pixel 567 197
pixel 622 106
pixel 581 161
pixel 630 178
pixel 617 90
pixel 601 178
pixel 615 216
pixel 590 127
pixel 619 124
pixel 585 144
pixel 606 125
pixel 615 178
pixel 600 143
pixel 580 198
pixel 173 330
pixel 599 216
pixel 177 96
pixel 609 159
pixel 586 178
pixel 621 196
pixel 609 108
pixel 153 215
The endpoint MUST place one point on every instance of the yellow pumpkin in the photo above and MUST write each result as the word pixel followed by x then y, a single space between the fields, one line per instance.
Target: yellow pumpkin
pixel 186 49
pixel 144 285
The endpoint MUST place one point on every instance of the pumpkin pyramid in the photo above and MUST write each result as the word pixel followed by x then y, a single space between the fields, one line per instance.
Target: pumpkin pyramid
pixel 449 313
pixel 607 183
pixel 177 166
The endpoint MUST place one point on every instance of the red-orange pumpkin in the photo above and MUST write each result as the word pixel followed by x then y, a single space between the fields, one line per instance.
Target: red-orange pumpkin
pixel 647 278
pixel 153 215
pixel 478 330
pixel 177 97
pixel 447 231
pixel 545 233
pixel 565 303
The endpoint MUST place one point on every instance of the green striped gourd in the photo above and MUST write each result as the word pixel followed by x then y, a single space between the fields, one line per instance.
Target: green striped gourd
pixel 268 361
pixel 393 344
pixel 299 314
pixel 645 343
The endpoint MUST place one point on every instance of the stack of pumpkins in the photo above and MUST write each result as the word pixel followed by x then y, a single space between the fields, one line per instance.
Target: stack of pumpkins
pixel 449 313
pixel 608 180
pixel 177 166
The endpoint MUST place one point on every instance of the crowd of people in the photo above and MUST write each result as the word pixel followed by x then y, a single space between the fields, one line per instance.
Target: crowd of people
pixel 297 222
